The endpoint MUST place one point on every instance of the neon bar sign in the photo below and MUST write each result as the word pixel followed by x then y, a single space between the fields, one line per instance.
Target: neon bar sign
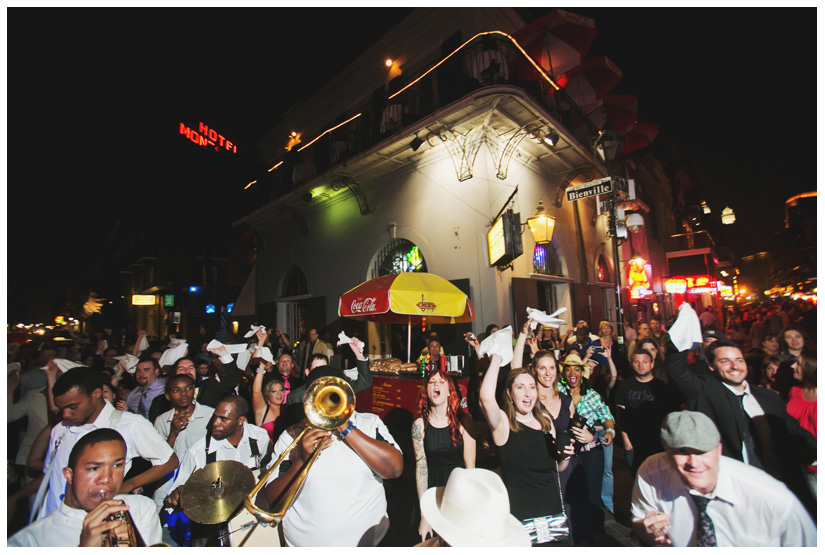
pixel 206 137
pixel 693 284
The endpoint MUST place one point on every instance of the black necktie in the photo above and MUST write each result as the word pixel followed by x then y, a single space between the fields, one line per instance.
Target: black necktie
pixel 747 437
pixel 705 534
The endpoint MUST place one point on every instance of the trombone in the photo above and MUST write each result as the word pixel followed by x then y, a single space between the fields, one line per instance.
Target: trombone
pixel 329 403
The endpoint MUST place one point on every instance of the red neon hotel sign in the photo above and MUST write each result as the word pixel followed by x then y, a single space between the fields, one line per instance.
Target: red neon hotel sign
pixel 206 137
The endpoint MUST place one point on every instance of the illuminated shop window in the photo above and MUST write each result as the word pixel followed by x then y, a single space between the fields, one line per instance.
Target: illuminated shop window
pixel 547 260
pixel 396 257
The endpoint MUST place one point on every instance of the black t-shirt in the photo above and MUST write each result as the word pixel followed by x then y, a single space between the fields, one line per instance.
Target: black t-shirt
pixel 645 406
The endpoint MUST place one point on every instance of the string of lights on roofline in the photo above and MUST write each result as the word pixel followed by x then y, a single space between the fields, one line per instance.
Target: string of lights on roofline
pixel 295 138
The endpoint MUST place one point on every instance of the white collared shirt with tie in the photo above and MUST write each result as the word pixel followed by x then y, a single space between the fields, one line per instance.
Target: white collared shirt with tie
pixel 748 507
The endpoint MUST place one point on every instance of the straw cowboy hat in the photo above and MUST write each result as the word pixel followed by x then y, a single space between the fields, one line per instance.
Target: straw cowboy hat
pixel 473 510
pixel 572 359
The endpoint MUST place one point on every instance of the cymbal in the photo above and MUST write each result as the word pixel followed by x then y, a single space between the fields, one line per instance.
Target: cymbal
pixel 213 493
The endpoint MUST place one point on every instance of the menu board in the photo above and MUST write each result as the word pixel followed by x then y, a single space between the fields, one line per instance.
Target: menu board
pixel 391 392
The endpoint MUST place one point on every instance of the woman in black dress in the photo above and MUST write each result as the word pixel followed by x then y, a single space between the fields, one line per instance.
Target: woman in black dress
pixel 525 436
pixel 441 440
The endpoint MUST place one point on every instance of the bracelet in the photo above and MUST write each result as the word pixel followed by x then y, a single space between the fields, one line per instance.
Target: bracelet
pixel 260 371
pixel 350 427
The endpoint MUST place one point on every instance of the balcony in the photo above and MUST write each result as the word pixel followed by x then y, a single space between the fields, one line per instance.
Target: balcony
pixel 490 62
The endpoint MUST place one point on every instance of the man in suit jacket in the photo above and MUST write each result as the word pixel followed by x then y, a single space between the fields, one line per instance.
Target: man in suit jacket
pixel 754 425
pixel 314 346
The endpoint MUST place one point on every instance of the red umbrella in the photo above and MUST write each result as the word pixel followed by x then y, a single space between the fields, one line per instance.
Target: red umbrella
pixel 558 41
pixel 638 136
pixel 591 80
pixel 621 111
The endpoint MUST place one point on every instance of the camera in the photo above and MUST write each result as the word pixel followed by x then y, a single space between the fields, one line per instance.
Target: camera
pixel 598 348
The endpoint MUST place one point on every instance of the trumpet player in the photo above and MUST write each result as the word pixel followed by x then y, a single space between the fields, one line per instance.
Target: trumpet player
pixel 94 475
pixel 342 502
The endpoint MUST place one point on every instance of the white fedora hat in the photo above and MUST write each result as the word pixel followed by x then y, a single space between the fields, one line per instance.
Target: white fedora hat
pixel 473 510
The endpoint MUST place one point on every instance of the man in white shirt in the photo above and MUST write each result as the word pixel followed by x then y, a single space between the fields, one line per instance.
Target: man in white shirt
pixel 78 394
pixel 183 425
pixel 342 502
pixel 232 438
pixel 691 495
pixel 95 474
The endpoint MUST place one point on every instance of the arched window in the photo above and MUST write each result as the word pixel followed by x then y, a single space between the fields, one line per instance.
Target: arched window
pixel 294 284
pixel 395 257
pixel 603 270
pixel 547 260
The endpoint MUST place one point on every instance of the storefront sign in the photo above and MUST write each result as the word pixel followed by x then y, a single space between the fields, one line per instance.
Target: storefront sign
pixel 694 285
pixel 504 240
pixel 638 279
pixel 143 300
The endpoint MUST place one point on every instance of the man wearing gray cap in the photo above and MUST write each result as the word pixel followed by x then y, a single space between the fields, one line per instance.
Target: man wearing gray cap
pixel 691 495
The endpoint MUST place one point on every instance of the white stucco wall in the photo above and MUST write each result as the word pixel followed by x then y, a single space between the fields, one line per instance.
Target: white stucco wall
pixel 448 220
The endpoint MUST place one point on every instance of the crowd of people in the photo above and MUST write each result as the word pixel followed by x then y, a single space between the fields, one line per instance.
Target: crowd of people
pixel 718 432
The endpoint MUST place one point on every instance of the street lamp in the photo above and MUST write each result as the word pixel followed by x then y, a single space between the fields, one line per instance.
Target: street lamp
pixel 608 148
pixel 541 226
pixel 728 217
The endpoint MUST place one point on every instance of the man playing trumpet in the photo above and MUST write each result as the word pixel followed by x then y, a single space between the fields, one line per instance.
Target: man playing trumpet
pixel 342 501
pixel 94 475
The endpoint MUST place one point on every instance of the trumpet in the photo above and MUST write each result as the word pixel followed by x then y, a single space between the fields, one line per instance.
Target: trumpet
pixel 328 404
pixel 132 538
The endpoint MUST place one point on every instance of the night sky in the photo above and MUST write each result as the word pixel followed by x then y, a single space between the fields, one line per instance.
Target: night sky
pixel 95 98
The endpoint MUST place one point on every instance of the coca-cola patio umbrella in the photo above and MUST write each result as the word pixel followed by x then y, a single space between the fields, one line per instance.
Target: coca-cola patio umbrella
pixel 406 299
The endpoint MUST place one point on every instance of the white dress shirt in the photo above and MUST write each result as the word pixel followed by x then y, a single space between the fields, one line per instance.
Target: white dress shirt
pixel 751 406
pixel 195 430
pixel 62 527
pixel 141 441
pixel 340 491
pixel 748 507
pixel 195 457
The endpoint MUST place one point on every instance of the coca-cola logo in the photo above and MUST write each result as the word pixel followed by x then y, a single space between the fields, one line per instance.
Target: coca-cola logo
pixel 364 305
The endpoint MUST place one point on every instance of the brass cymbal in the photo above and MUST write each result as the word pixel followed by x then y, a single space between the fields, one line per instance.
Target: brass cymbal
pixel 213 493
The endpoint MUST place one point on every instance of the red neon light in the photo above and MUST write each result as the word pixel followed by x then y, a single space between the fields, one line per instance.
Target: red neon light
pixel 207 137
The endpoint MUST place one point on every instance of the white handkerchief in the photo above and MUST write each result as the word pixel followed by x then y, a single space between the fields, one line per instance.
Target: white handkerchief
pixel 266 354
pixel 232 348
pixel 143 345
pixel 686 331
pixel 540 317
pixel 173 353
pixel 351 373
pixel 244 357
pixel 344 340
pixel 129 362
pixel 499 343
pixel 254 330
pixel 64 364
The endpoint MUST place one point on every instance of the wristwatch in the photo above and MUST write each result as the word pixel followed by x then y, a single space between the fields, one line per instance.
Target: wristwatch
pixel 350 427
